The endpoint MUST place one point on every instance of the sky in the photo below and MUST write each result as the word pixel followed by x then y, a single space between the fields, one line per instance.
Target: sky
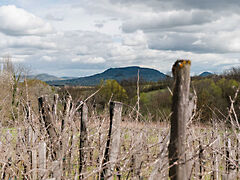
pixel 83 37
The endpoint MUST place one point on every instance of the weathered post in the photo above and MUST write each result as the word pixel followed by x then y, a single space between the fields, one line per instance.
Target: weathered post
pixel 32 139
pixel 137 158
pixel 215 156
pixel 47 120
pixel 42 159
pixel 230 167
pixel 179 118
pixel 65 132
pixel 27 138
pixel 113 141
pixel 237 157
pixel 54 108
pixel 83 137
pixel 200 159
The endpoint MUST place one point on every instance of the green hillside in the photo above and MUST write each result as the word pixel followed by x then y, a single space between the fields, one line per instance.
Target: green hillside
pixel 118 74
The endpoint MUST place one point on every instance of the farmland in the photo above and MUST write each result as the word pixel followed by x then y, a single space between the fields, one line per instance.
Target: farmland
pixel 101 132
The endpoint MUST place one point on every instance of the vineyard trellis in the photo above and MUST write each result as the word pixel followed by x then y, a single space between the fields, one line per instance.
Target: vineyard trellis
pixel 66 141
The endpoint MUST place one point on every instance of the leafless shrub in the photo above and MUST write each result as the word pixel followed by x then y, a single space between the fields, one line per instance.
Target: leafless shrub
pixel 29 151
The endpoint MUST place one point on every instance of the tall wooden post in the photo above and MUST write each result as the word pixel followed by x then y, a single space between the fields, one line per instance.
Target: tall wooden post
pixel 54 108
pixel 32 141
pixel 47 120
pixel 113 141
pixel 83 137
pixel 45 111
pixel 200 159
pixel 179 118
pixel 42 159
pixel 237 157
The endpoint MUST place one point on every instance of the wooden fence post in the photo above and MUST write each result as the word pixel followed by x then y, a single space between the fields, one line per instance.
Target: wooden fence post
pixel 201 160
pixel 215 170
pixel 230 167
pixel 83 137
pixel 47 118
pixel 42 159
pixel 32 139
pixel 215 155
pixel 179 118
pixel 113 141
pixel 237 156
pixel 54 108
pixel 65 132
pixel 27 138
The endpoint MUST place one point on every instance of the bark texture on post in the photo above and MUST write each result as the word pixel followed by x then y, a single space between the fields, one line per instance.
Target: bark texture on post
pixel 83 137
pixel 45 111
pixel 32 139
pixel 113 142
pixel 42 159
pixel 54 108
pixel 65 132
pixel 179 118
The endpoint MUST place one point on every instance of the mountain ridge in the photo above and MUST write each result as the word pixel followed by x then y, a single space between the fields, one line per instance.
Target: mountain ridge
pixel 119 74
pixel 205 74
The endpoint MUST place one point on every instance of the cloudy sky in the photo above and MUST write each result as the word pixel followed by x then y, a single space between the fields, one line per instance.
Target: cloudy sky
pixel 83 37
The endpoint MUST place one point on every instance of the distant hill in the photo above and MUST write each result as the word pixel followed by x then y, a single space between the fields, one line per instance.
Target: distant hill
pixel 205 74
pixel 47 77
pixel 118 74
pixel 66 78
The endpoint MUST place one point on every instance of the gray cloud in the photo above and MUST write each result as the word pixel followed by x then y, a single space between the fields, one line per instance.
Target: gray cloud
pixel 99 25
pixel 203 42
pixel 158 21
pixel 160 5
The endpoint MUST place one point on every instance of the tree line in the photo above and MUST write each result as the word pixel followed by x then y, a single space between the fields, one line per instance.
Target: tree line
pixel 213 93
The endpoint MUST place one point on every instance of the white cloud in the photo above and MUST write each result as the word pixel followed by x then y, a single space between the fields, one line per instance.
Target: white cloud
pixel 22 42
pixel 16 21
pixel 47 58
pixel 89 60
pixel 54 17
pixel 95 60
pixel 137 38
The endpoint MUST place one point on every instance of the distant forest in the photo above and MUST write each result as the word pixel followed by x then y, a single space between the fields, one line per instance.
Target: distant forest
pixel 213 94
